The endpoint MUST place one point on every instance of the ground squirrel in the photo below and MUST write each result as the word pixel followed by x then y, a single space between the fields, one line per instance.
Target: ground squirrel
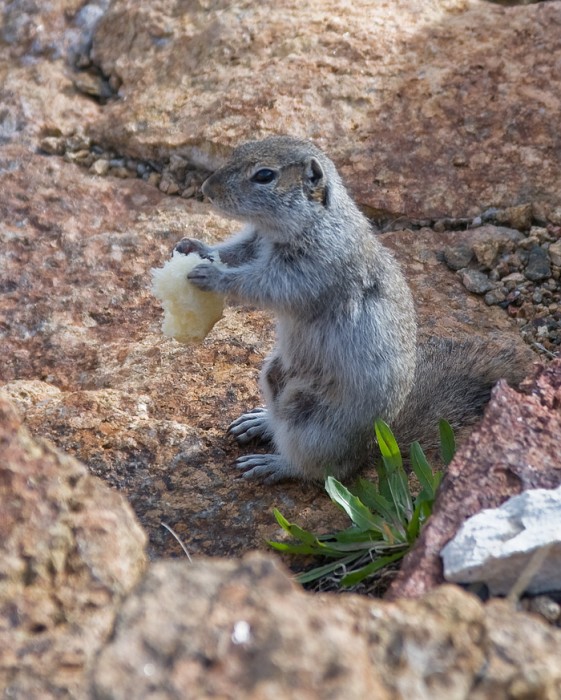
pixel 346 350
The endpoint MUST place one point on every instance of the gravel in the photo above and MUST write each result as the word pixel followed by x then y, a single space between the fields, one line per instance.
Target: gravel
pixel 521 275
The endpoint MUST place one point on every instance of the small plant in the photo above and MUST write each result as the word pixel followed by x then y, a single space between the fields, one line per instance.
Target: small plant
pixel 386 517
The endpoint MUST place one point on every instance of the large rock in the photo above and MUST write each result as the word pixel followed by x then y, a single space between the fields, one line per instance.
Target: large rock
pixel 515 448
pixel 145 413
pixel 235 629
pixel 430 109
pixel 70 551
pixel 37 44
pixel 502 546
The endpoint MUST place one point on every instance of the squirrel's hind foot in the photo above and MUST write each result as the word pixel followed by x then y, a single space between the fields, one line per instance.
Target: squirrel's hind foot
pixel 253 425
pixel 267 468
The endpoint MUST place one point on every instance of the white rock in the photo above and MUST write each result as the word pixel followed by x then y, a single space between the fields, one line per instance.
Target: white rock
pixel 496 545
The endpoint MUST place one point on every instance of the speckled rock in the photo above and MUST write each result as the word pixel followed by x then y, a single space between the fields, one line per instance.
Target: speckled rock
pixel 147 414
pixel 475 281
pixel 430 108
pixel 555 253
pixel 144 412
pixel 515 448
pixel 70 550
pixel 241 629
pixel 538 267
pixel 38 43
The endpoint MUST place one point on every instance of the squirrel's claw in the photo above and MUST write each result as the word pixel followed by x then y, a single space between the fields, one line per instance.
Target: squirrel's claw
pixel 253 425
pixel 205 277
pixel 268 468
pixel 192 245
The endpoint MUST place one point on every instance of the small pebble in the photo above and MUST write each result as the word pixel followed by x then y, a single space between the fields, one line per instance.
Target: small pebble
pixel 458 257
pixel 554 252
pixel 486 252
pixel 100 167
pixel 475 281
pixel 495 296
pixel 538 267
pixel 545 606
pixel 53 145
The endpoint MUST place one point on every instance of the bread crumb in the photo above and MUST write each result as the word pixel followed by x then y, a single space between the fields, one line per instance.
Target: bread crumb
pixel 189 313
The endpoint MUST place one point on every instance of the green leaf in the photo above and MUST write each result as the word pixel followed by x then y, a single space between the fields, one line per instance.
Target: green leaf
pixel 423 508
pixel 379 563
pixel 383 484
pixel 353 534
pixel 422 469
pixel 399 487
pixel 393 478
pixel 353 506
pixel 293 548
pixel 388 445
pixel 294 530
pixel 447 442
pixel 370 496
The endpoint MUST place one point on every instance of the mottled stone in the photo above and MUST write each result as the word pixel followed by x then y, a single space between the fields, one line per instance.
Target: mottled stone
pixel 458 257
pixel 519 217
pixel 515 448
pixel 242 629
pixel 486 252
pixel 495 296
pixel 475 281
pixel 70 551
pixel 538 267
pixel 430 109
pixel 554 252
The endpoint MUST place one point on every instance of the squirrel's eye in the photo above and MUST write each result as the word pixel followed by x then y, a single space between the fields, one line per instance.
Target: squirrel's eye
pixel 263 176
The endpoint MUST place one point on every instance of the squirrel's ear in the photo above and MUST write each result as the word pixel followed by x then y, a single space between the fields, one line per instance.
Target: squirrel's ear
pixel 315 181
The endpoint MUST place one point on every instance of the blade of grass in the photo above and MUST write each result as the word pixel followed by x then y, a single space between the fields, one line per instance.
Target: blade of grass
pixel 293 548
pixel 373 499
pixel 423 508
pixel 447 442
pixel 388 445
pixel 294 530
pixel 353 506
pixel 394 473
pixel 352 534
pixel 422 469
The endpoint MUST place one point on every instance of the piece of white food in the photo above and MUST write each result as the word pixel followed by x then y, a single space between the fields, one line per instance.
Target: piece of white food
pixel 189 313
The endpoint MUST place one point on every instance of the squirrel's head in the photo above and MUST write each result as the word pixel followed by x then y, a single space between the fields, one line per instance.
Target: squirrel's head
pixel 280 183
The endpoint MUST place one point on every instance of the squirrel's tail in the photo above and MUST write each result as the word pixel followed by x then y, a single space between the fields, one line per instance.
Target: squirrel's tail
pixel 453 380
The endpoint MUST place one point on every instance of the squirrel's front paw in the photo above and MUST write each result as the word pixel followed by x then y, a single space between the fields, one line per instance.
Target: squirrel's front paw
pixel 192 245
pixel 206 277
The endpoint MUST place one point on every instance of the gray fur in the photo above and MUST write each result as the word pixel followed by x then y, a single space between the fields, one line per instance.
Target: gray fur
pixel 346 348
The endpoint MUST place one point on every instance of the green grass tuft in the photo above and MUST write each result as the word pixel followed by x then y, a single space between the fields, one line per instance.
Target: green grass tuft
pixel 386 518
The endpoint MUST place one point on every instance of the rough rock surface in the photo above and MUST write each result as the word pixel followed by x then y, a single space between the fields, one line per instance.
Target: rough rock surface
pixel 520 273
pixel 515 448
pixel 498 546
pixel 431 108
pixel 70 550
pixel 145 413
pixel 235 629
